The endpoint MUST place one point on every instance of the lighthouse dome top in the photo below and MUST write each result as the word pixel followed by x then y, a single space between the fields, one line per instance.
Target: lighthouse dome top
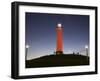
pixel 59 25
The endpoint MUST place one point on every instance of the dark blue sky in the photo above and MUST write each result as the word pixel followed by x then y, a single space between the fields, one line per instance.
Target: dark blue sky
pixel 41 33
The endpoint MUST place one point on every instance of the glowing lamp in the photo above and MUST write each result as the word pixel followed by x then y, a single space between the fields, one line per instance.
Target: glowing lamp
pixel 27 46
pixel 86 46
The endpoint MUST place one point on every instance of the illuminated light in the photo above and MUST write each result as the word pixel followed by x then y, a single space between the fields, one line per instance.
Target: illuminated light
pixel 27 46
pixel 86 46
pixel 59 25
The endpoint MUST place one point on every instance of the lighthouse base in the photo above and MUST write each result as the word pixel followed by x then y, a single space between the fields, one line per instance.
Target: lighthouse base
pixel 59 52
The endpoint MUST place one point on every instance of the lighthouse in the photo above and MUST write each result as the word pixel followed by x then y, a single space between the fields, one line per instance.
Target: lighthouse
pixel 59 46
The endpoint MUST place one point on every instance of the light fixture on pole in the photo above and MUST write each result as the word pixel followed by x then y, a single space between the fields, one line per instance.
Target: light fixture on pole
pixel 26 51
pixel 86 49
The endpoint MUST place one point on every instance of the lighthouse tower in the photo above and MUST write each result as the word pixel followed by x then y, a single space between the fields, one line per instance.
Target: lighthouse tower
pixel 59 47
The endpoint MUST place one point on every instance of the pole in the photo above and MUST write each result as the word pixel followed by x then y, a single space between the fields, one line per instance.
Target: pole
pixel 86 51
pixel 26 51
pixel 86 48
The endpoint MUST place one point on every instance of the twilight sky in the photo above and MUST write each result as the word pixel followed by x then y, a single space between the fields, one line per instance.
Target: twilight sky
pixel 40 33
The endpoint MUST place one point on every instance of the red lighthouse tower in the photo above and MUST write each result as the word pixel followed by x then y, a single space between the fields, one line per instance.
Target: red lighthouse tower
pixel 59 49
